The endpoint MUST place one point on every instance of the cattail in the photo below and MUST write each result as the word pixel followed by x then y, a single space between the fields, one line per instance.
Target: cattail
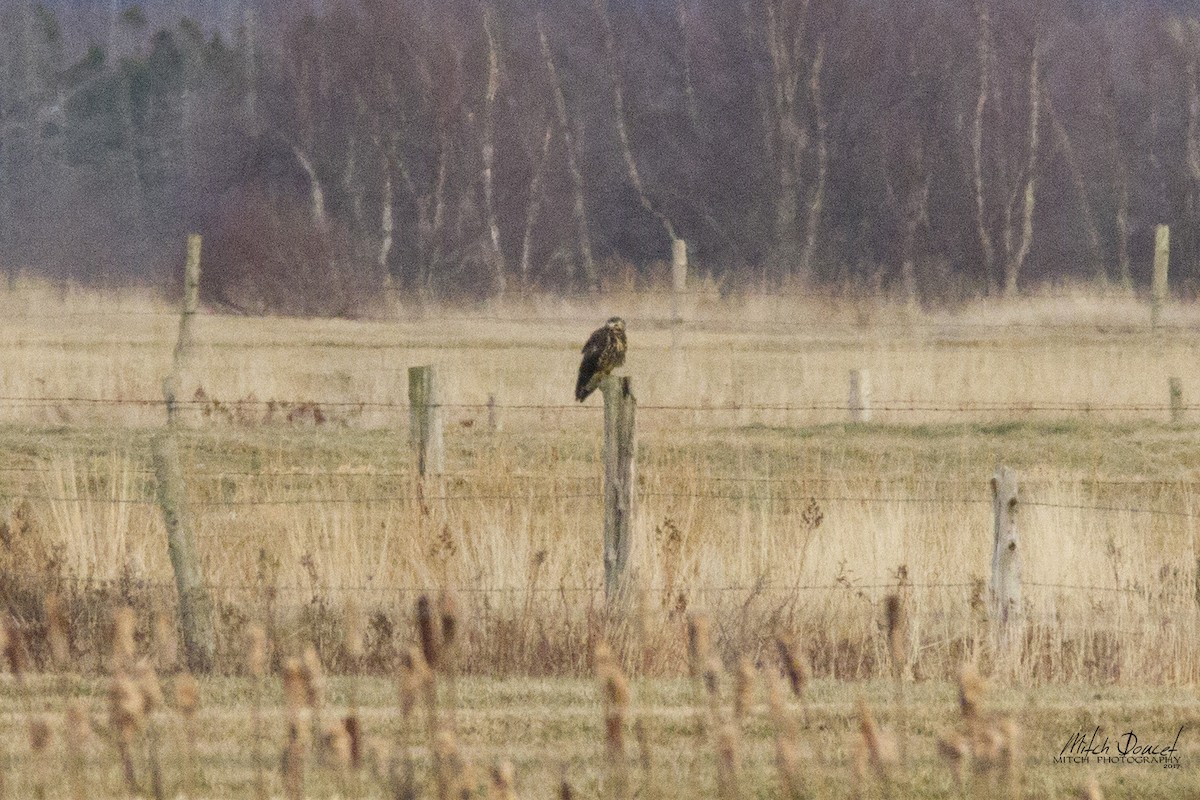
pixel 954 749
pixel 166 646
pixel 699 644
pixel 615 691
pixel 187 695
pixel 787 761
pixel 793 665
pixel 76 732
pixel 449 767
pixel 894 613
pixel 147 684
pixel 503 782
pixel 414 675
pixel 1010 758
pixel 123 648
pixel 354 739
pixel 39 734
pixel 743 687
pixel 256 651
pixel 728 762
pixel 353 638
pixel 643 742
pixel 314 678
pixel 879 747
pixel 970 692
pixel 448 611
pixel 431 636
pixel 57 635
pixel 712 678
pixel 293 761
pixel 126 708
pixel 293 684
pixel 336 744
pixel 15 652
pixel 565 792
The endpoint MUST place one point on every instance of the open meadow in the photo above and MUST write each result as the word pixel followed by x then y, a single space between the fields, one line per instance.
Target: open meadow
pixel 761 509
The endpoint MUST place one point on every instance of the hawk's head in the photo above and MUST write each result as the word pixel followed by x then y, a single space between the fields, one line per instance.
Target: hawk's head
pixel 616 324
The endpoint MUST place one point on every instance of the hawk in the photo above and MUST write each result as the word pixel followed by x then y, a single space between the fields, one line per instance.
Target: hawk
pixel 604 352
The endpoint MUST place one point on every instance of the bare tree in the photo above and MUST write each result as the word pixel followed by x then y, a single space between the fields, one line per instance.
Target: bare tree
pixel 570 147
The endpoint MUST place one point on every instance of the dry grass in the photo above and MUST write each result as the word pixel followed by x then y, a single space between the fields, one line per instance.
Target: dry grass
pixel 767 518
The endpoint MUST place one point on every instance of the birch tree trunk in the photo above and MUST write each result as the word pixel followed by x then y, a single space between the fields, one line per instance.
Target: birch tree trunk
pixel 984 54
pixel 816 201
pixel 316 192
pixel 618 95
pixel 500 270
pixel 387 225
pixel 788 135
pixel 689 89
pixel 1016 253
pixel 569 145
pixel 1079 182
pixel 534 207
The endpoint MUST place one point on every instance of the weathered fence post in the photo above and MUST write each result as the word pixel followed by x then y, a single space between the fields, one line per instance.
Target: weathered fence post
pixel 425 419
pixel 173 383
pixel 679 266
pixel 1175 390
pixel 620 450
pixel 1006 560
pixel 860 395
pixel 195 608
pixel 493 420
pixel 1158 285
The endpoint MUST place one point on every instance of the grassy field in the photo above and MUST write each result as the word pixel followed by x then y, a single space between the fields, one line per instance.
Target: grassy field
pixel 759 505
pixel 555 729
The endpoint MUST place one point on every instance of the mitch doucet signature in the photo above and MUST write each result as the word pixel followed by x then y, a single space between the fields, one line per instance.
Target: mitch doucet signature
pixel 1083 748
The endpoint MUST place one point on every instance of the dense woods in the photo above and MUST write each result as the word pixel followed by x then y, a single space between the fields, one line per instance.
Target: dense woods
pixel 473 149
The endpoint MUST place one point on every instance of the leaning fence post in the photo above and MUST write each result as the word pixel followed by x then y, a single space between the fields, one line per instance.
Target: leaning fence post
pixel 425 419
pixel 195 607
pixel 1006 559
pixel 620 450
pixel 860 395
pixel 1158 284
pixel 1175 390
pixel 173 383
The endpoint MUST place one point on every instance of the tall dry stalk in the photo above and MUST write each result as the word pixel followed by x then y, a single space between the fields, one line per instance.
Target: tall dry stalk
pixel 76 734
pixel 187 703
pixel 787 753
pixel 256 664
pixel 877 749
pixel 614 690
pixel 503 783
pixel 296 695
pixel 896 635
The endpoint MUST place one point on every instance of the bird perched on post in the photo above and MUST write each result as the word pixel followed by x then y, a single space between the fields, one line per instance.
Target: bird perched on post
pixel 604 352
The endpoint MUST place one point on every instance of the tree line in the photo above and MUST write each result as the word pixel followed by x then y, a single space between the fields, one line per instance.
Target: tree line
pixel 478 149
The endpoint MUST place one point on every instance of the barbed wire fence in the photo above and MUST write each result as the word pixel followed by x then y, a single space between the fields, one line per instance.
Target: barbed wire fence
pixel 592 487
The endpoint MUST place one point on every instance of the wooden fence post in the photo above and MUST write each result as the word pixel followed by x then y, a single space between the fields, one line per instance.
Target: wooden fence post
pixel 620 463
pixel 1006 560
pixel 860 395
pixel 679 266
pixel 195 607
pixel 493 420
pixel 173 383
pixel 1175 390
pixel 1158 285
pixel 425 419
